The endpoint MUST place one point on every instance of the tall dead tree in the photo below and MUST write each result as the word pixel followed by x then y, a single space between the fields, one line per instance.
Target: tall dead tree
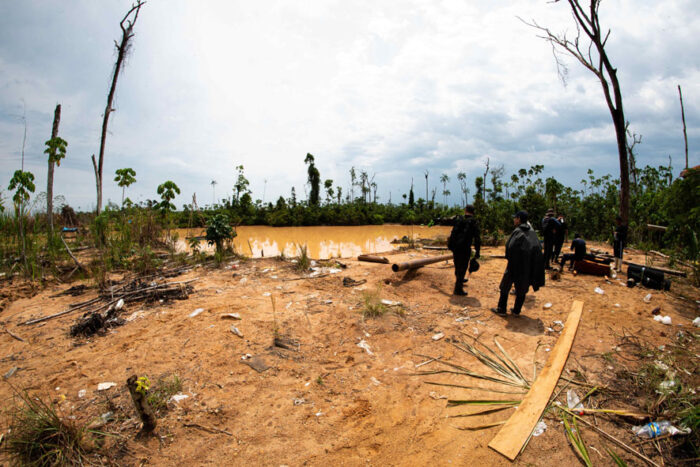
pixel 592 55
pixel 49 183
pixel 685 133
pixel 127 26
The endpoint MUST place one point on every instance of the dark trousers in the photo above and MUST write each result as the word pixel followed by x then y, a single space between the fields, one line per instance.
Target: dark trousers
pixel 618 248
pixel 461 260
pixel 567 257
pixel 506 284
pixel 557 248
pixel 548 251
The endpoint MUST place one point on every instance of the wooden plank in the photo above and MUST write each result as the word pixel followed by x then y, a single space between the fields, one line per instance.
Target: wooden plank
pixel 511 438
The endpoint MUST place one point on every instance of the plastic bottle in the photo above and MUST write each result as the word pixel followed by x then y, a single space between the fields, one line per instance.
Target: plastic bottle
pixel 653 429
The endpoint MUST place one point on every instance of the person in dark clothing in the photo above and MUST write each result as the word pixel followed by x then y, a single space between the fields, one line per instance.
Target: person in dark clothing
pixel 525 265
pixel 549 231
pixel 619 242
pixel 559 237
pixel 578 245
pixel 464 233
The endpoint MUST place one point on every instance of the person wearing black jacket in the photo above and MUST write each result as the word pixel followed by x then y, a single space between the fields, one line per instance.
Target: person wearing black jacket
pixel 525 265
pixel 550 227
pixel 619 242
pixel 579 246
pixel 559 237
pixel 464 233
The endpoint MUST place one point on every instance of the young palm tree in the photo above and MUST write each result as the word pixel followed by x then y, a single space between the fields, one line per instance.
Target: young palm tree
pixel 444 178
pixel 124 178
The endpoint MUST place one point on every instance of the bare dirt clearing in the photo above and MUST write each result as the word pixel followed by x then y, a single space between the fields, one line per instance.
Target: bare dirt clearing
pixel 328 400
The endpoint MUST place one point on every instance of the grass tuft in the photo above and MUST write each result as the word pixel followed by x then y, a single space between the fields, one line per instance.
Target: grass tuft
pixel 303 261
pixel 162 391
pixel 372 305
pixel 38 435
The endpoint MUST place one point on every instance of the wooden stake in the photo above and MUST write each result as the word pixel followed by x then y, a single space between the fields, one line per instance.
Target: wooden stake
pixel 143 408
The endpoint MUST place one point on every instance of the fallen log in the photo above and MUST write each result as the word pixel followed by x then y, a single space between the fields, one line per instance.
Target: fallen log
pixel 373 259
pixel 419 263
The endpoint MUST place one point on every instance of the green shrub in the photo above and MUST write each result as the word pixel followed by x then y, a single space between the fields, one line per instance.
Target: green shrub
pixel 39 436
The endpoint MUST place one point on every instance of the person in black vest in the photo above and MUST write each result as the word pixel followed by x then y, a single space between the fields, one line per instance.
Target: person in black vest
pixel 579 246
pixel 525 265
pixel 559 237
pixel 464 233
pixel 619 242
pixel 549 231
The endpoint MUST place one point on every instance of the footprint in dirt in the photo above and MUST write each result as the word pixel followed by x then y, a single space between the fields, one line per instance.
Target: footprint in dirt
pixel 525 325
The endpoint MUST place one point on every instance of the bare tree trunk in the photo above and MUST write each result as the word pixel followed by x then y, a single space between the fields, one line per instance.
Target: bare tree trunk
pixel 426 187
pixel 588 22
pixel 98 183
pixel 685 134
pixel 122 50
pixel 49 187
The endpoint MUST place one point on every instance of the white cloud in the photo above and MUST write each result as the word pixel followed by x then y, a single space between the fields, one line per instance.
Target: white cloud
pixel 394 88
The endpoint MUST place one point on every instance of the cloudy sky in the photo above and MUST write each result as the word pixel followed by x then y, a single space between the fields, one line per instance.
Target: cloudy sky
pixel 391 87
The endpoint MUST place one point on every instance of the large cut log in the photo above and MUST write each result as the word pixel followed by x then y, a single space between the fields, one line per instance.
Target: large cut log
pixel 511 438
pixel 419 263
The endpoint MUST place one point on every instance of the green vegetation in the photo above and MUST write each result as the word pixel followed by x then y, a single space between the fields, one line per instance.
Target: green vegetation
pixel 161 392
pixel 372 305
pixel 124 178
pixel 38 435
pixel 129 235
pixel 303 262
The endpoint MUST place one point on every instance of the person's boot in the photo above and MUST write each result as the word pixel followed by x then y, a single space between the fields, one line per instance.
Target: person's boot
pixel 459 288
pixel 518 305
pixel 500 309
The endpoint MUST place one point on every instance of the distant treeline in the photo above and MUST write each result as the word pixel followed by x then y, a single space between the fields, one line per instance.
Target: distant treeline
pixel 657 198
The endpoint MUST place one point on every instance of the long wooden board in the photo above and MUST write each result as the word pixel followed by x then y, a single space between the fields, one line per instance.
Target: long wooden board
pixel 511 438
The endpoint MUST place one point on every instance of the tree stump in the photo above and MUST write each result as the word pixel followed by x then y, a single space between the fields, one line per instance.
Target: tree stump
pixel 143 408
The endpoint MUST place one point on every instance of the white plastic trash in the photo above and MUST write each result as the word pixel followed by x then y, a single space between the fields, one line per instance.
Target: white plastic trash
pixel 598 290
pixel 663 319
pixel 540 428
pixel 438 336
pixel 196 312
pixel 696 322
pixel 390 302
pixel 647 299
pixel 547 306
pixel 364 345
pixel 105 386
pixel 179 397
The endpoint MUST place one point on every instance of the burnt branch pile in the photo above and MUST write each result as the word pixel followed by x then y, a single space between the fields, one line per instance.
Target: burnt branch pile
pixel 110 303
